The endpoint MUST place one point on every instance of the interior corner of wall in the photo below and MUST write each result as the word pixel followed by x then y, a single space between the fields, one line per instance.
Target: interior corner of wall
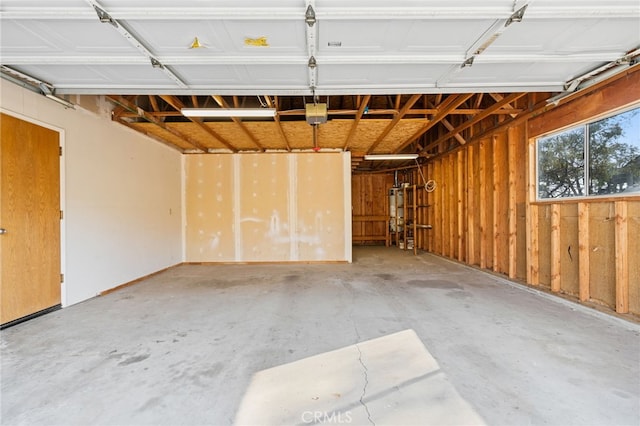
pixel 183 207
pixel 348 248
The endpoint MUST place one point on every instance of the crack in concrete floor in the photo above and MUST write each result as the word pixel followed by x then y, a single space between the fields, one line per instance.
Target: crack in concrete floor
pixel 366 383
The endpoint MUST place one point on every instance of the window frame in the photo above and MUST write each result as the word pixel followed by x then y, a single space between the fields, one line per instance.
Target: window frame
pixel 586 152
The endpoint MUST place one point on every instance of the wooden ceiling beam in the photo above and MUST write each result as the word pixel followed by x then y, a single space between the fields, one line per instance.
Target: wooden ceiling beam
pixel 276 118
pixel 478 101
pixel 152 136
pixel 154 103
pixel 476 118
pixel 223 104
pixel 444 108
pixel 498 97
pixel 122 101
pixel 450 127
pixel 178 105
pixel 407 106
pixel 363 104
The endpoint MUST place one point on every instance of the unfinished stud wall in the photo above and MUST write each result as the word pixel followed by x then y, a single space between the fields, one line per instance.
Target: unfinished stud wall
pixel 268 207
pixel 370 212
pixel 484 211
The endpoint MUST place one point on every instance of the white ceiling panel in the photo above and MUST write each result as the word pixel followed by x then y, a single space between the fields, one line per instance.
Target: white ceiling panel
pixel 516 74
pixel 47 38
pixel 243 76
pixel 251 45
pixel 222 37
pixel 398 36
pixel 74 76
pixel 563 37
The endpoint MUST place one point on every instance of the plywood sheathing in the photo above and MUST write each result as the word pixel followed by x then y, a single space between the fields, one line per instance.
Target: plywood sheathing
pixel 195 131
pixel 569 265
pixel 403 130
pixel 602 283
pixel 158 132
pixel 267 134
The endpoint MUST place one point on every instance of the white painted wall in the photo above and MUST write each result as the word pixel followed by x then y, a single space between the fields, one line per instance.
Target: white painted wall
pixel 121 196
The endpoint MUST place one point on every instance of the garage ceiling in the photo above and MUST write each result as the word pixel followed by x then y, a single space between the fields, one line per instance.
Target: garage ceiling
pixel 392 73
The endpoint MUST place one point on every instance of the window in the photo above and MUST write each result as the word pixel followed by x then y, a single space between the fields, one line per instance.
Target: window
pixel 597 158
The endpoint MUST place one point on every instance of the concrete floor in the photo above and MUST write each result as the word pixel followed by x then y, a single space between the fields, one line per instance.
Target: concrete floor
pixel 390 339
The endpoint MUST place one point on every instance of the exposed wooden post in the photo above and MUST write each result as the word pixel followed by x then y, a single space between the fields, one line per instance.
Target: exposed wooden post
pixel 460 195
pixel 512 141
pixel 430 209
pixel 622 259
pixel 531 219
pixel 555 247
pixel 583 250
pixel 471 206
pixel 534 246
pixel 452 212
pixel 482 158
pixel 495 198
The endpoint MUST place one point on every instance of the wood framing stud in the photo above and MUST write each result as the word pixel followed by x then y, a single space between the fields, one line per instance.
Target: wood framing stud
pixel 555 248
pixel 460 203
pixel 497 164
pixel 621 258
pixel 534 247
pixel 583 251
pixel 482 204
pixel 512 141
pixel 471 206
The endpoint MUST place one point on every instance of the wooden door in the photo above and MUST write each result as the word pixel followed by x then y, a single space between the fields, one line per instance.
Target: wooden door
pixel 30 218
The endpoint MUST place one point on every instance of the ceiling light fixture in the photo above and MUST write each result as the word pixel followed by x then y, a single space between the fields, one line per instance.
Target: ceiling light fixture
pixel 381 157
pixel 228 112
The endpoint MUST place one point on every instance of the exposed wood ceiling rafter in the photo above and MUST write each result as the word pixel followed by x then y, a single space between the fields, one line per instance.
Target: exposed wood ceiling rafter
pixel 177 104
pixel 475 119
pixel 405 109
pixel 363 104
pixel 274 104
pixel 223 104
pixel 122 101
pixel 444 108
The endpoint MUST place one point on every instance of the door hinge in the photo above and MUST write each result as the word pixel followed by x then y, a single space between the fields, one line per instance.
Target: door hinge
pixel 60 151
pixel 61 278
pixel 61 214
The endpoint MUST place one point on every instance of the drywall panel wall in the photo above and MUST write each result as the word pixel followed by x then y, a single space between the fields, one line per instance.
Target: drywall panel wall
pixel 210 197
pixel 321 228
pixel 268 207
pixel 122 196
pixel 265 232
